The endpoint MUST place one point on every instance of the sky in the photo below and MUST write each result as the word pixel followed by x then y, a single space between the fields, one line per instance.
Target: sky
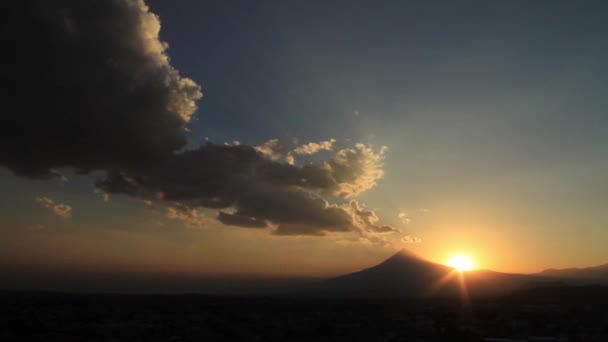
pixel 303 138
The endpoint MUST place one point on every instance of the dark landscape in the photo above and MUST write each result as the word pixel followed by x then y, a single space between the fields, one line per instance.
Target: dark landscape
pixel 541 314
pixel 388 302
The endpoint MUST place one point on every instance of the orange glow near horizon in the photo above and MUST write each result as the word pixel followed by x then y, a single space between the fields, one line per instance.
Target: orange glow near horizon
pixel 460 263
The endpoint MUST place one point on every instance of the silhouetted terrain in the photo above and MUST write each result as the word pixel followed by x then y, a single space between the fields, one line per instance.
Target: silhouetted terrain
pixel 588 275
pixel 143 283
pixel 555 314
pixel 405 275
pixel 404 298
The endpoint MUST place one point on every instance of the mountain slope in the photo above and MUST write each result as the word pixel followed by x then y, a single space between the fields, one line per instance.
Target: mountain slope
pixel 407 275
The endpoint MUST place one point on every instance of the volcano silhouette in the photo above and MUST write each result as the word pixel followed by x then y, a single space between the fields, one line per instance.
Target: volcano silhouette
pixel 407 275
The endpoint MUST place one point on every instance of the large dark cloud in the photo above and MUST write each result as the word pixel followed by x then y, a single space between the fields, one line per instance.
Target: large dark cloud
pixel 91 88
pixel 88 85
pixel 259 191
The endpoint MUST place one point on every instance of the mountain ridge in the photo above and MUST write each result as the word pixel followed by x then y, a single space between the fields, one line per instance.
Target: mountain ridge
pixel 405 274
pixel 579 275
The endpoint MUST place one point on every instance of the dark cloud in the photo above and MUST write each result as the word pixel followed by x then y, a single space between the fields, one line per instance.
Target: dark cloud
pixel 88 85
pixel 240 220
pixel 298 229
pixel 261 192
pixel 92 89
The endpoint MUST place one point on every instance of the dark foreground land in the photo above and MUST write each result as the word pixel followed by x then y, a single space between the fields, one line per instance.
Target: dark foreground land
pixel 549 314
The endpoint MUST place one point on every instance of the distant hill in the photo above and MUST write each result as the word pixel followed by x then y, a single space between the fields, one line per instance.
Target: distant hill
pixel 407 275
pixel 588 275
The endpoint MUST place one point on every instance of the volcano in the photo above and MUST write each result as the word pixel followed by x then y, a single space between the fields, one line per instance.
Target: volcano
pixel 405 275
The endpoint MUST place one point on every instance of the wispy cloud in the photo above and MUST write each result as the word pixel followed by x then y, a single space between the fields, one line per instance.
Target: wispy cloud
pixel 411 239
pixel 191 217
pixel 60 209
pixel 404 218
pixel 105 197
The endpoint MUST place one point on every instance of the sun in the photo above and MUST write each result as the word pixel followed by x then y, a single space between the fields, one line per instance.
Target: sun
pixel 460 263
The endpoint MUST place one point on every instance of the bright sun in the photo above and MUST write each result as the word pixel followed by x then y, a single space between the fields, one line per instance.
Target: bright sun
pixel 460 263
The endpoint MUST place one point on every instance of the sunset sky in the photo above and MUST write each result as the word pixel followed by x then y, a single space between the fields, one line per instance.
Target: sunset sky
pixel 442 127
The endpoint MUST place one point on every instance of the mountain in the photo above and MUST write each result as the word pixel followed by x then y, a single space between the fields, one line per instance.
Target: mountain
pixel 405 275
pixel 588 275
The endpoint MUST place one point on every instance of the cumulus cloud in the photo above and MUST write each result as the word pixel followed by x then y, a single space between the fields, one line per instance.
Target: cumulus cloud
pixel 259 191
pixel 272 149
pixel 314 147
pixel 60 209
pixel 101 94
pixel 309 149
pixel 367 220
pixel 347 173
pixel 275 150
pixel 90 87
pixel 356 169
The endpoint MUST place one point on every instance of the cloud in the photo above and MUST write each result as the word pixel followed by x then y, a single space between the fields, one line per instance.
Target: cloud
pixel 90 87
pixel 275 150
pixel 356 170
pixel 272 149
pixel 404 218
pixel 366 219
pixel 58 175
pixel 101 94
pixel 258 190
pixel 241 221
pixel 105 197
pixel 411 239
pixel 348 172
pixel 313 147
pixel 190 216
pixel 59 209
pixel 309 149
